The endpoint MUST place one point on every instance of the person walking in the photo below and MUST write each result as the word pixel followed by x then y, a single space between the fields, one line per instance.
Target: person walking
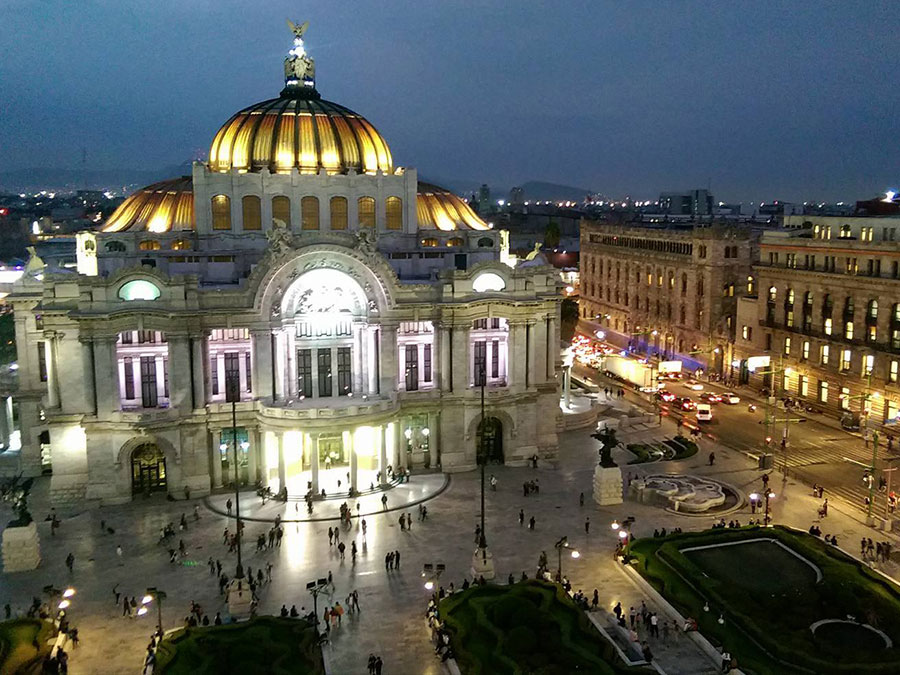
pixel 397 559
pixel 341 549
pixel 632 615
pixel 384 502
pixel 364 527
pixel 531 523
pixel 654 625
pixel 70 562
pixel 119 553
pixel 581 499
pixel 330 536
pixel 353 551
pixel 587 525
pixel 521 516
pixel 712 458
pixel 228 506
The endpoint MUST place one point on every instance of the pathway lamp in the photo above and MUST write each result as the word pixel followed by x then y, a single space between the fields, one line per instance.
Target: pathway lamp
pixel 152 594
pixel 314 588
pixel 563 543
pixel 432 573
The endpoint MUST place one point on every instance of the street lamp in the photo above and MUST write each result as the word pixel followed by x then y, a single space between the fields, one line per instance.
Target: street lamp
pixel 482 561
pixel 432 573
pixel 233 394
pixel 623 530
pixel 754 497
pixel 559 546
pixel 153 592
pixel 314 588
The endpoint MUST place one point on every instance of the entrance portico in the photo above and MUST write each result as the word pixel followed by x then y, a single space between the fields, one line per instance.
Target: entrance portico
pixel 331 460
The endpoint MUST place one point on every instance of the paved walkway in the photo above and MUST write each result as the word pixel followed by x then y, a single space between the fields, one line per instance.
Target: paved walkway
pixel 391 621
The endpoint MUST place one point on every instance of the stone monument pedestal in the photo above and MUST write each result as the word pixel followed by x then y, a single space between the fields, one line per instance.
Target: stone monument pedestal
pixel 483 564
pixel 607 485
pixel 21 548
pixel 239 599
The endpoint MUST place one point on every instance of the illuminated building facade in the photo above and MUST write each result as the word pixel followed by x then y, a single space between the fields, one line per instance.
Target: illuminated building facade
pixel 671 290
pixel 344 311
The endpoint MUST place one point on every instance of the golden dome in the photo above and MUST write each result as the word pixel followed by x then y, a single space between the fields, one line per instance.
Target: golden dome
pixel 161 207
pixel 299 131
pixel 169 206
pixel 437 208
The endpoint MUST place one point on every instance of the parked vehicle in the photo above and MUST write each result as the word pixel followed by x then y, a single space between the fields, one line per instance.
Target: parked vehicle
pixel 850 421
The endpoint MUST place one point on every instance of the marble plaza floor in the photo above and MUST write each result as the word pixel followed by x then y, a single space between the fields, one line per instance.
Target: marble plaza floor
pixel 391 621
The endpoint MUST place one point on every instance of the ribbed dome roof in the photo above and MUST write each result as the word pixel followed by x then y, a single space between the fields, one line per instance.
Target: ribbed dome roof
pixel 437 208
pixel 161 207
pixel 169 206
pixel 303 132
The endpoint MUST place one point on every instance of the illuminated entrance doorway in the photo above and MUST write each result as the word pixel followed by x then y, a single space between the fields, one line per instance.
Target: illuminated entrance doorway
pixel 331 452
pixel 148 469
pixel 490 440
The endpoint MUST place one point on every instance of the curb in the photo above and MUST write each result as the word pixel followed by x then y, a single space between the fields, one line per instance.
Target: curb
pixel 254 519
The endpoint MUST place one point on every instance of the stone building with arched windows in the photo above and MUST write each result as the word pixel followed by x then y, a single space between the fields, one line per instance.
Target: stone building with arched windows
pixel 299 305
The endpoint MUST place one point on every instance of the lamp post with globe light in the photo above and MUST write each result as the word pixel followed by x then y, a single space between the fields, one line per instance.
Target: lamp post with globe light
pixel 482 560
pixel 563 543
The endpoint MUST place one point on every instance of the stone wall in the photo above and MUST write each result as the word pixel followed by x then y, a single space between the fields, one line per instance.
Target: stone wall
pixel 21 548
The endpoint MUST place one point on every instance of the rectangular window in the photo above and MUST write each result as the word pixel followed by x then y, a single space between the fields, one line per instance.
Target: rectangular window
pixel 868 365
pixel 745 332
pixel 129 378
pixel 232 377
pixel 248 371
pixel 805 354
pixel 872 333
pixel 824 353
pixel 323 358
pixel 828 324
pixel 127 337
pixel 304 372
pixel 412 367
pixel 426 363
pixel 823 391
pixel 42 360
pixel 894 371
pixel 166 378
pixel 846 357
pixel 495 359
pixel 214 375
pixel 787 346
pixel 480 362
pixel 848 330
pixel 149 397
pixel 845 398
pixel 344 371
pixel 803 385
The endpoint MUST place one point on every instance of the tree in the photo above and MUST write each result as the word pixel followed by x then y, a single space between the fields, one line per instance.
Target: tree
pixel 551 234
pixel 568 318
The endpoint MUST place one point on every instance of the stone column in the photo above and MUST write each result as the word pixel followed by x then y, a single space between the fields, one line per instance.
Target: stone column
pixel 314 461
pixel 372 359
pixel 442 356
pixel 383 455
pixel 253 455
pixel 282 469
pixel 198 370
pixel 517 358
pixel 460 359
pixel 87 367
pixel 354 463
pixel 262 363
pixel 434 435
pixel 280 366
pixel 402 454
pixel 106 375
pixel 216 459
pixel 388 360
pixel 52 371
pixel 357 360
pixel 530 370
pixel 5 423
pixel 179 374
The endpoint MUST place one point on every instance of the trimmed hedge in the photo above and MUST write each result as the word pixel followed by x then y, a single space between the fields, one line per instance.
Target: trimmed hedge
pixel 529 627
pixel 761 629
pixel 266 645
pixel 683 447
pixel 17 636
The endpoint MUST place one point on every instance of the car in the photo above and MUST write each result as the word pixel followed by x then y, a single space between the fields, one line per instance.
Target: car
pixel 666 396
pixel 704 412
pixel 730 398
pixel 685 404
pixel 693 385
pixel 710 397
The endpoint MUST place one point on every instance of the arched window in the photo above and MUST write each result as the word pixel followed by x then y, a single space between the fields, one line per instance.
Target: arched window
pixel 393 208
pixel 115 247
pixel 808 299
pixel 366 208
pixel 485 242
pixel 848 306
pixel 221 212
pixel 181 245
pixel 338 213
pixel 252 218
pixel 751 286
pixel 139 289
pixel 429 242
pixel 281 209
pixel 873 309
pixel 149 245
pixel 773 293
pixel 455 241
pixel 309 213
pixel 790 296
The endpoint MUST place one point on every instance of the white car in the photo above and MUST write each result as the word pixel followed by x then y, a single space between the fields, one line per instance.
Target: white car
pixel 704 412
pixel 693 385
pixel 731 399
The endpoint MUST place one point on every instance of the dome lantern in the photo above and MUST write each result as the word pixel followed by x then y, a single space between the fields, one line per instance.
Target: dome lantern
pixel 299 67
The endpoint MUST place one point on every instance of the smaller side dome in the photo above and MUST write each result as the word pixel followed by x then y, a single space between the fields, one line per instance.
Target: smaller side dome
pixel 161 207
pixel 440 209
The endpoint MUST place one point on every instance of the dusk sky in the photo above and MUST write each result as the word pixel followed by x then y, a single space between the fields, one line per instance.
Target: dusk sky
pixel 760 100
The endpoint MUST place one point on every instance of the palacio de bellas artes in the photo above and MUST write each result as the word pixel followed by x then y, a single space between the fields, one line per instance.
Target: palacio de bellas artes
pixel 299 296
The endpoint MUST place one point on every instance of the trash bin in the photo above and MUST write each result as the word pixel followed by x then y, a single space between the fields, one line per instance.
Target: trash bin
pixel 766 461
